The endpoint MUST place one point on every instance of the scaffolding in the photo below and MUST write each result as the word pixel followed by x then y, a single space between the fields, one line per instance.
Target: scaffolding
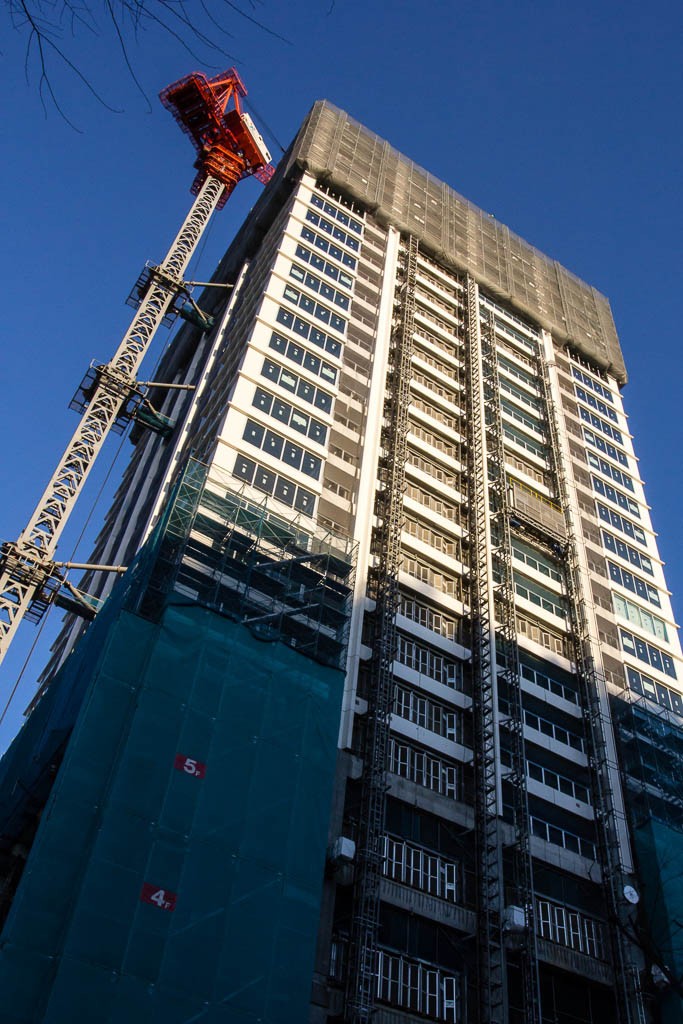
pixel 509 679
pixel 389 508
pixel 628 996
pixel 490 955
pixel 229 551
pixel 495 663
pixel 651 748
pixel 331 145
pixel 651 745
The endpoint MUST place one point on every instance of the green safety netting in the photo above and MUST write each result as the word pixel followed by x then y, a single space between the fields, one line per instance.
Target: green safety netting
pixel 240 850
pixel 659 852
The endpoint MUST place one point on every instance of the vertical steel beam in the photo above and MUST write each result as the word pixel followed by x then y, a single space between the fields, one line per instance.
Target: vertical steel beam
pixel 362 978
pixel 490 953
pixel 521 884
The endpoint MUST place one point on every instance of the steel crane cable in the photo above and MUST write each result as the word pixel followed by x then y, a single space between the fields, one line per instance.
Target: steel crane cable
pixel 78 541
pixel 24 666
pixel 97 497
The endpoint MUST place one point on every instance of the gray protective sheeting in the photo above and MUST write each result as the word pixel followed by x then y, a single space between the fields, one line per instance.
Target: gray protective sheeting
pixel 333 146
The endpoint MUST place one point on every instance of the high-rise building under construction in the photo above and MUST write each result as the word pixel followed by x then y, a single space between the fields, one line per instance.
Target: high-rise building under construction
pixel 385 719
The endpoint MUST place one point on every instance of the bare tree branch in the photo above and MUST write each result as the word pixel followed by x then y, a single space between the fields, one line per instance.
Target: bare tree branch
pixel 51 29
pixel 42 35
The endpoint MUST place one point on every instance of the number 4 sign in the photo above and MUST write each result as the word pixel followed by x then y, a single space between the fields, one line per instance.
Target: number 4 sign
pixel 161 898
pixel 190 766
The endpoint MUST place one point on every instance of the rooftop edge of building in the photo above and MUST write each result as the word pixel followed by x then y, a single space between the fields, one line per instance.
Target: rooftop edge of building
pixel 334 147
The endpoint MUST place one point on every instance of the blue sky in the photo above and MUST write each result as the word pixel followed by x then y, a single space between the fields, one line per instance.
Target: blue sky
pixel 563 120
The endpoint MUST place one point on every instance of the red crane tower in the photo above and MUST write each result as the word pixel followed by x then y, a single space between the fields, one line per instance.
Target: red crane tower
pixel 229 148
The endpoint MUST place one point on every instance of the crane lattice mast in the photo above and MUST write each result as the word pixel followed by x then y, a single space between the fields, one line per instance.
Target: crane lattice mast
pixel 229 148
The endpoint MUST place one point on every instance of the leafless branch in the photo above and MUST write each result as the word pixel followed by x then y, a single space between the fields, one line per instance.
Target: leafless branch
pixel 41 37
pixel 51 29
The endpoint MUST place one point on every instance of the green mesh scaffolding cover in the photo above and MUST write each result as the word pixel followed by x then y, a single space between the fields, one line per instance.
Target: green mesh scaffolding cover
pixel 177 872
pixel 659 849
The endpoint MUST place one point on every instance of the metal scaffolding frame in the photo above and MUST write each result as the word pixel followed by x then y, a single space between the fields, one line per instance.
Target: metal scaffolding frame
pixel 495 661
pixel 508 674
pixel 627 989
pixel 654 788
pixel 361 984
pixel 490 954
pixel 230 551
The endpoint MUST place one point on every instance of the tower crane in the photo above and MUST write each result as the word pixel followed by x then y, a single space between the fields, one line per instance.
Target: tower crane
pixel 229 148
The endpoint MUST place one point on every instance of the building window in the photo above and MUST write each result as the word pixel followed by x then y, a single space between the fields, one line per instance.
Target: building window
pixel 595 403
pixel 428 714
pixel 531 380
pixel 296 385
pixel 647 687
pixel 270 483
pixel 275 445
pixel 536 560
pixel 548 683
pixel 605 428
pixel 332 250
pixel 327 292
pixel 304 501
pixel 577 357
pixel 520 395
pixel 553 731
pixel 328 228
pixel 425 573
pixel 282 411
pixel 521 417
pixel 645 652
pixel 429 662
pixel 423 768
pixel 272 442
pixel 420 869
pixel 570 928
pixel 415 985
pixel 538 595
pixel 245 469
pixel 605 447
pixel 622 524
pixel 254 433
pixel 446 545
pixel 637 586
pixel 541 634
pixel 615 496
pixel 611 471
pixel 324 266
pixel 264 479
pixel 516 436
pixel 558 782
pixel 285 490
pixel 625 551
pixel 561 837
pixel 340 215
pixel 430 618
pixel 307 331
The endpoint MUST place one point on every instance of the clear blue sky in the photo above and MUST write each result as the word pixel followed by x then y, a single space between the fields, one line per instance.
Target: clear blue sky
pixel 562 119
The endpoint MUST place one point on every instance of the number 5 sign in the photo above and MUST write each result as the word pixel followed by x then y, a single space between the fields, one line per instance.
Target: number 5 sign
pixel 190 766
pixel 161 898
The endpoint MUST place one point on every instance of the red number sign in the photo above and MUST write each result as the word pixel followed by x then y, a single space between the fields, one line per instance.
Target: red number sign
pixel 161 898
pixel 190 766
